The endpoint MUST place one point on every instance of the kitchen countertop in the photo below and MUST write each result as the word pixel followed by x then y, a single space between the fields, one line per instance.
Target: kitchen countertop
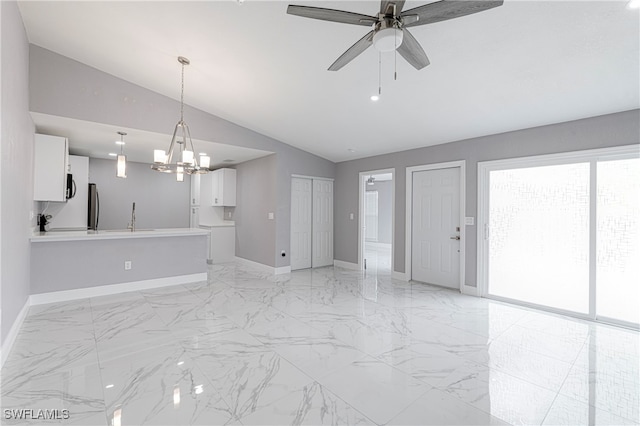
pixel 39 237
pixel 217 224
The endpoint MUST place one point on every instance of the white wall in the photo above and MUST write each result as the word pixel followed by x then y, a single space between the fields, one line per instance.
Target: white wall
pixel 16 167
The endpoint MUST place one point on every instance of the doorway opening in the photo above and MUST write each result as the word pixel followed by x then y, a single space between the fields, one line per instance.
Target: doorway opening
pixel 377 197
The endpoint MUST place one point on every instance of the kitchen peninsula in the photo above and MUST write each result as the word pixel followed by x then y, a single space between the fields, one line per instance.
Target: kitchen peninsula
pixel 77 264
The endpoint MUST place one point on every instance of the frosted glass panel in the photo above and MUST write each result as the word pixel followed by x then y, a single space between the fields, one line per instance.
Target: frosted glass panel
pixel 618 240
pixel 539 235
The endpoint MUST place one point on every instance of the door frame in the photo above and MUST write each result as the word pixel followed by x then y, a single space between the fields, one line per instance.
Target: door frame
pixel 461 165
pixel 362 181
pixel 591 156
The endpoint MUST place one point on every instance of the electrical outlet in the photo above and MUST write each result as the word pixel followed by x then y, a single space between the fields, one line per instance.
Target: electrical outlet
pixel 229 215
pixel 127 265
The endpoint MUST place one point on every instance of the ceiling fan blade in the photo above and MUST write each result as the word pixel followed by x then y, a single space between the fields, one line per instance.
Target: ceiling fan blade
pixel 360 46
pixel 411 50
pixel 448 9
pixel 384 6
pixel 331 15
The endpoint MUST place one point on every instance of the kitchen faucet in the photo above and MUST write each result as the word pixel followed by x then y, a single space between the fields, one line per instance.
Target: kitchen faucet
pixel 132 225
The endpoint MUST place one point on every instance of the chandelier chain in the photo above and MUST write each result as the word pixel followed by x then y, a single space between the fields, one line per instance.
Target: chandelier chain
pixel 182 96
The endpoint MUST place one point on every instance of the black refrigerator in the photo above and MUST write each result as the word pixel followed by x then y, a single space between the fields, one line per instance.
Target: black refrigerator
pixel 93 217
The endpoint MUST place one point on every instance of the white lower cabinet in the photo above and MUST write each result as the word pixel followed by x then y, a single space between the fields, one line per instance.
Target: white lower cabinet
pixel 222 243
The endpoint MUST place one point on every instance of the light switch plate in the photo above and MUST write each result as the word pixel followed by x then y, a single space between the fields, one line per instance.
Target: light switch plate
pixel 350 216
pixel 271 216
pixel 469 220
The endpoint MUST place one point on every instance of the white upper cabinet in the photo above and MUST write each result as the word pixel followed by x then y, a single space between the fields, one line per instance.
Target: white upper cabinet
pixel 223 182
pixel 51 165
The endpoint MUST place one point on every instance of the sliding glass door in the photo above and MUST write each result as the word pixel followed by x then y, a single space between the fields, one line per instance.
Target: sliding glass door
pixel 562 232
pixel 618 240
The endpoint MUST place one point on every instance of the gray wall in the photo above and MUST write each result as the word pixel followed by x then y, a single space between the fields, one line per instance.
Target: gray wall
pixel 161 201
pixel 16 166
pixel 64 87
pixel 68 265
pixel 385 209
pixel 598 132
pixel 256 196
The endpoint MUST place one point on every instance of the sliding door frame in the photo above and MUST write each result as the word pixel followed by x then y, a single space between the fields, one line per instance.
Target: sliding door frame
pixel 592 157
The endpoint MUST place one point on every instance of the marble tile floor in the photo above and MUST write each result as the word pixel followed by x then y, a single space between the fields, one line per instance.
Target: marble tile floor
pixel 324 346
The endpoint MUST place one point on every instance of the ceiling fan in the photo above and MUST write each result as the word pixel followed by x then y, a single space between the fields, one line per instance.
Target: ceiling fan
pixel 389 28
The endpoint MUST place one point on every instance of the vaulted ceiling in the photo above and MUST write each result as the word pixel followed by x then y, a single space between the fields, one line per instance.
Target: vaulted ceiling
pixel 524 64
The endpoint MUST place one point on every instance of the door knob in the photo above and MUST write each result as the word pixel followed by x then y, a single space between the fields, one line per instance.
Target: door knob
pixel 457 237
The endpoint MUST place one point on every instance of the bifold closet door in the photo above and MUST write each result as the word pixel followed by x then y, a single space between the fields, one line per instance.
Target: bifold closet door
pixel 301 192
pixel 322 223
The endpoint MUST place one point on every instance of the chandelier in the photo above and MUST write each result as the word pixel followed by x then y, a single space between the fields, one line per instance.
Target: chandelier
pixel 180 158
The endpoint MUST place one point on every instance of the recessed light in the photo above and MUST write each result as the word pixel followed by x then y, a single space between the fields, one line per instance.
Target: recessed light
pixel 119 142
pixel 374 98
pixel 202 153
pixel 108 386
pixel 181 362
pixel 633 4
pixel 113 154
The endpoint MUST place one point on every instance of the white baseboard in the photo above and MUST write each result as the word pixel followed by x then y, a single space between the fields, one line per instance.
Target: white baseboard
pixel 346 265
pixel 471 291
pixel 13 333
pixel 104 290
pixel 402 276
pixel 282 270
pixel 264 268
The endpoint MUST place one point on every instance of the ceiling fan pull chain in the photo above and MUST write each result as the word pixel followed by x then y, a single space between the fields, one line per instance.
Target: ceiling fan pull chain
pixel 395 63
pixel 395 53
pixel 379 73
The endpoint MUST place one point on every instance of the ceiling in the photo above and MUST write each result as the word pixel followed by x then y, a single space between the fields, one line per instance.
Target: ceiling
pixel 521 65
pixel 97 140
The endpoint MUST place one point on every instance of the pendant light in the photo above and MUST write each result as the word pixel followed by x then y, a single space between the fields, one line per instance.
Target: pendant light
pixel 121 162
pixel 180 158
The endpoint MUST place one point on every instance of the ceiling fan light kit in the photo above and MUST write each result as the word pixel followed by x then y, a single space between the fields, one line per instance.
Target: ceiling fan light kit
pixel 389 28
pixel 388 39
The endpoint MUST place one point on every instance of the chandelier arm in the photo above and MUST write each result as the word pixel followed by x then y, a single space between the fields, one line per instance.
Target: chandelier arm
pixel 195 161
pixel 173 143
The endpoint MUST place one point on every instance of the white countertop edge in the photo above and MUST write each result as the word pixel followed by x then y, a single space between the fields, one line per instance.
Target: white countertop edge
pixel 217 224
pixel 115 235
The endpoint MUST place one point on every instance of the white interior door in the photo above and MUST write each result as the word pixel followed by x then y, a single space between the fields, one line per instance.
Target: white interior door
pixel 435 239
pixel 301 223
pixel 322 252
